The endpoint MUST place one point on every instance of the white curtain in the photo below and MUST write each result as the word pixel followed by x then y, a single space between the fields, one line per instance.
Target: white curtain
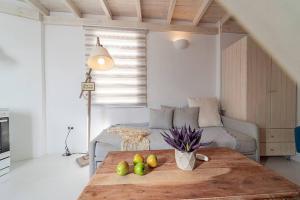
pixel 126 83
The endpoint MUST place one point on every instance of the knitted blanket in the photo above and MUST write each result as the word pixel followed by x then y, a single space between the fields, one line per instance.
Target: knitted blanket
pixel 132 138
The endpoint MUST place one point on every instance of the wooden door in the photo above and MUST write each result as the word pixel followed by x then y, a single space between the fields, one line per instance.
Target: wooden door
pixel 283 99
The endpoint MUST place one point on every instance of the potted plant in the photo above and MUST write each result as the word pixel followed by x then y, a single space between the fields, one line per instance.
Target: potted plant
pixel 185 141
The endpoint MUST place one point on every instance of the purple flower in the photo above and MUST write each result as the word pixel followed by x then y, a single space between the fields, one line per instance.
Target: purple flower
pixel 184 139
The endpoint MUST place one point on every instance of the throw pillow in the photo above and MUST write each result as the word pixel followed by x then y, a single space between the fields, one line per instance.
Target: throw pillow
pixel 186 116
pixel 161 119
pixel 209 111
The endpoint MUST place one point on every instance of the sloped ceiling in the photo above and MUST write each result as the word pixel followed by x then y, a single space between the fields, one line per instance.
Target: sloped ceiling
pixel 275 24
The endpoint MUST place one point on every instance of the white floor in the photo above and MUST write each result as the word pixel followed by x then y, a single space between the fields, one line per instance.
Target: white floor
pixel 51 177
pixel 60 178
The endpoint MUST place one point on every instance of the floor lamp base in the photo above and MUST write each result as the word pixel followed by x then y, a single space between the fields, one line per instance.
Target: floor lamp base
pixel 67 154
pixel 83 161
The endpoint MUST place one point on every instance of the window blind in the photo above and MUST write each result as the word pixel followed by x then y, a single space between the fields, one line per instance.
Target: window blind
pixel 126 83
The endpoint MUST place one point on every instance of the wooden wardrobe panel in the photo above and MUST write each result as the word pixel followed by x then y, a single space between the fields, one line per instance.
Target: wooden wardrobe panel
pixel 258 67
pixel 234 76
pixel 255 89
pixel 291 99
pixel 283 103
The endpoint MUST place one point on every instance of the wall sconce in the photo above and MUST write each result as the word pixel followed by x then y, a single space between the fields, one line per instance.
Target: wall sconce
pixel 181 43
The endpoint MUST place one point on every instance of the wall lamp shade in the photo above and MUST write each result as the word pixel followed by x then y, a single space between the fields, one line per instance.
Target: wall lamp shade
pixel 181 44
pixel 99 58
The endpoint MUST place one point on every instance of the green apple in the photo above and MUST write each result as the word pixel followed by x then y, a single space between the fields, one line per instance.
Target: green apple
pixel 122 168
pixel 139 169
pixel 138 158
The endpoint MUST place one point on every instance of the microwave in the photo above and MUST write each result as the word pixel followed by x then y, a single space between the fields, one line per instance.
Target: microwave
pixel 4 135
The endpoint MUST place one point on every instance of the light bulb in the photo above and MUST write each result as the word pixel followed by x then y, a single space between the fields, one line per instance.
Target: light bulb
pixel 101 61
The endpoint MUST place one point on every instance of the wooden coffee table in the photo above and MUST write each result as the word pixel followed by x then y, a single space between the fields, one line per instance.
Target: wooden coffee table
pixel 228 175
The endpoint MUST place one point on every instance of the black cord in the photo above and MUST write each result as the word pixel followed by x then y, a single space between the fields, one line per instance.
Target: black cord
pixel 67 150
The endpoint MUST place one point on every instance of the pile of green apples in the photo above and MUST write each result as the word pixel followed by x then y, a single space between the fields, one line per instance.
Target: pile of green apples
pixel 139 165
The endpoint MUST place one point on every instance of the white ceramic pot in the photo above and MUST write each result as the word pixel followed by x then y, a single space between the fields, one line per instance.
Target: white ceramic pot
pixel 185 160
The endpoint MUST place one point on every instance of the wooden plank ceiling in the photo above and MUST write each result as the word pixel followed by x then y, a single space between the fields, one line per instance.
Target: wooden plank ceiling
pixel 182 15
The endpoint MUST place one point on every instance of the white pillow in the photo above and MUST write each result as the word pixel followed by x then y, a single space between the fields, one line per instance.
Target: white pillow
pixel 208 111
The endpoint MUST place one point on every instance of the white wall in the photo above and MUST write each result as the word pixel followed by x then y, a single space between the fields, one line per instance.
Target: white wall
pixel 64 62
pixel 21 84
pixel 173 75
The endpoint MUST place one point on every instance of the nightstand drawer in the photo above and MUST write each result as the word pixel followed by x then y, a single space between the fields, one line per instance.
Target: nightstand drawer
pixel 277 149
pixel 277 135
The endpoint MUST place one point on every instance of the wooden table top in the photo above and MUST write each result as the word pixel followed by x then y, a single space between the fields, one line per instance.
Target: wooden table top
pixel 227 175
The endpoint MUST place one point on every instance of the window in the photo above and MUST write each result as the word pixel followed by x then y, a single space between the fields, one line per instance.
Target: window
pixel 126 83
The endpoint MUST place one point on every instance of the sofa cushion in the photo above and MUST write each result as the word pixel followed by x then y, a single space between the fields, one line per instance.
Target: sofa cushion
pixel 157 141
pixel 209 111
pixel 219 137
pixel 245 144
pixel 184 116
pixel 162 118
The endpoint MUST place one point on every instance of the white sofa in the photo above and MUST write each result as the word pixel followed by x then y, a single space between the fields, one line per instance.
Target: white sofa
pixel 235 134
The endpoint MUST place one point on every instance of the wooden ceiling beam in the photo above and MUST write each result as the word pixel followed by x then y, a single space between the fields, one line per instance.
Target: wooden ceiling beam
pixel 139 10
pixel 18 10
pixel 73 8
pixel 37 5
pixel 152 26
pixel 106 9
pixel 202 10
pixel 171 11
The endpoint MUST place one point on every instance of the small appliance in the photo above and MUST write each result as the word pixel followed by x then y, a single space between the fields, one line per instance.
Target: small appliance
pixel 4 143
